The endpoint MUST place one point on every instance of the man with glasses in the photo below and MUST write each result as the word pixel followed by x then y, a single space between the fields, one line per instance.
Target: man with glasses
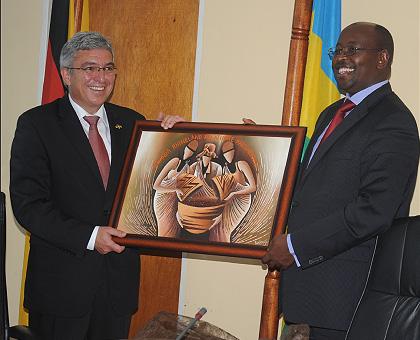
pixel 358 174
pixel 65 162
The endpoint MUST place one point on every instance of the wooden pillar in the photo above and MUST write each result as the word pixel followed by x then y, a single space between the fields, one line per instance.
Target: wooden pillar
pixel 78 10
pixel 291 114
pixel 298 51
pixel 270 307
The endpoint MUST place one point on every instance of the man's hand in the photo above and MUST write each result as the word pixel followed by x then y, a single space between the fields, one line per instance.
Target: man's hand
pixel 104 243
pixel 278 255
pixel 168 121
pixel 248 121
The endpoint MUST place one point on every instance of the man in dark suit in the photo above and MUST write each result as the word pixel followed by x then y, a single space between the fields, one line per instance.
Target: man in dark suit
pixel 65 162
pixel 353 182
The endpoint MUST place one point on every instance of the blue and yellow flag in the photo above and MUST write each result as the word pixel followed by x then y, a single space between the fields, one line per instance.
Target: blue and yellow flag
pixel 320 88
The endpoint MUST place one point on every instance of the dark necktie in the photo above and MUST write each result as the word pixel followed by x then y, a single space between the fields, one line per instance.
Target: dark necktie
pixel 98 148
pixel 338 117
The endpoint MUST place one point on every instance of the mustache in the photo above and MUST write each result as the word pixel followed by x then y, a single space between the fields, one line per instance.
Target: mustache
pixel 339 64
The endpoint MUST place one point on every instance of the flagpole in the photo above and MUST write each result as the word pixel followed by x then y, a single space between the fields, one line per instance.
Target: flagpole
pixel 78 10
pixel 298 50
pixel 291 114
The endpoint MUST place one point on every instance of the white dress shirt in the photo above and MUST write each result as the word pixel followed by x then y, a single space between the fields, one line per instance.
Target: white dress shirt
pixel 104 131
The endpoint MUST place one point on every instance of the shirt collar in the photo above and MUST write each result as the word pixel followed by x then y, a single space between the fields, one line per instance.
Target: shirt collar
pixel 81 112
pixel 359 96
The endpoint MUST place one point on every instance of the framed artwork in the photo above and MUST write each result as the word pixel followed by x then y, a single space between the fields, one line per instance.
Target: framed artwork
pixel 208 188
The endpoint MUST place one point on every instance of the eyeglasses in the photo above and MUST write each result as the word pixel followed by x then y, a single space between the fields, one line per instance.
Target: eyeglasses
pixel 90 70
pixel 349 51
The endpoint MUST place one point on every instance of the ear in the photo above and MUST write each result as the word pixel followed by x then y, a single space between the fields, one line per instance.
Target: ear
pixel 65 74
pixel 383 59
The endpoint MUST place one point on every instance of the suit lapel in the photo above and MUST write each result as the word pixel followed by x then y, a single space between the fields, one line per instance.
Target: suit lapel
pixel 119 131
pixel 73 130
pixel 358 113
pixel 325 118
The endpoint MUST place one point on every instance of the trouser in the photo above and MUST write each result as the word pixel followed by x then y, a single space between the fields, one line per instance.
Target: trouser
pixel 317 333
pixel 295 331
pixel 100 323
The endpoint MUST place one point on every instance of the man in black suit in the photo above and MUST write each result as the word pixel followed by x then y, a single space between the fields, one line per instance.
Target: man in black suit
pixel 352 184
pixel 65 162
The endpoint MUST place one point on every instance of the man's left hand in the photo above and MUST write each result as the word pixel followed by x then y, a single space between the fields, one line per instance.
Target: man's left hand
pixel 104 243
pixel 248 121
pixel 278 256
pixel 168 121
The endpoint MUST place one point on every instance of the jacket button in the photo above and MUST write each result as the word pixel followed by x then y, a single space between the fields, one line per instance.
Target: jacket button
pixel 294 204
pixel 107 213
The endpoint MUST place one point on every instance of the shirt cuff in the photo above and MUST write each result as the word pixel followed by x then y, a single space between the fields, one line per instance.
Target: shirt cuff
pixel 92 240
pixel 291 250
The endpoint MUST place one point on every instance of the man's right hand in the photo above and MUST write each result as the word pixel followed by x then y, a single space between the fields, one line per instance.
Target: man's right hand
pixel 104 243
pixel 278 256
pixel 168 121
pixel 248 121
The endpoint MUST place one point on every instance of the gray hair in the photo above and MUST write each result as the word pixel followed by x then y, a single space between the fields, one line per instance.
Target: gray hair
pixel 83 41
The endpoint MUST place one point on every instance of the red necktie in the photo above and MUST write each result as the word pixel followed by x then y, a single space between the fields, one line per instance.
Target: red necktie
pixel 98 148
pixel 338 117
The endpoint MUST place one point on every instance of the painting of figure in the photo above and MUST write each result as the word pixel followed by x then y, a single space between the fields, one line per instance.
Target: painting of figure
pixel 235 187
pixel 169 191
pixel 204 188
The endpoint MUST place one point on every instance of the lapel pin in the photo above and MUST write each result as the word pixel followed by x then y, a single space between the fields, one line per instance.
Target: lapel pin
pixel 118 126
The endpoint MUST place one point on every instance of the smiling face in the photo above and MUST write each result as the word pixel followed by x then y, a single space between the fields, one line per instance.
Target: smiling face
pixel 90 91
pixel 364 68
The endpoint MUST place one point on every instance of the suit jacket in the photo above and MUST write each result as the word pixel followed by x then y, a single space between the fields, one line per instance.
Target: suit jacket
pixel 359 179
pixel 58 196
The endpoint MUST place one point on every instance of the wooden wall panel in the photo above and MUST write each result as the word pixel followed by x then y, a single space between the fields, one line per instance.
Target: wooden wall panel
pixel 155 44
pixel 159 287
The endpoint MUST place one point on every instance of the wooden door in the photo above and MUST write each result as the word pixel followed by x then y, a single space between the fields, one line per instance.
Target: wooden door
pixel 155 45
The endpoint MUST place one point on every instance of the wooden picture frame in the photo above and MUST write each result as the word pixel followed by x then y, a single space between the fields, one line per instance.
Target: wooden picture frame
pixel 210 188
